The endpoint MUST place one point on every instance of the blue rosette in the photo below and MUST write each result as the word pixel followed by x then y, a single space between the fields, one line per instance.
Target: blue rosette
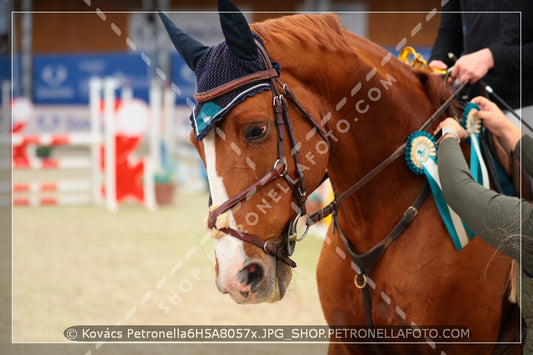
pixel 421 146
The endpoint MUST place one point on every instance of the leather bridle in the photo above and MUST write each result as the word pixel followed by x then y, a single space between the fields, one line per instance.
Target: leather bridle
pixel 283 251
pixel 283 124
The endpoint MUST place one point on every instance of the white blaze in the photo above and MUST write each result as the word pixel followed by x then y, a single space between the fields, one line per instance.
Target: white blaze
pixel 229 250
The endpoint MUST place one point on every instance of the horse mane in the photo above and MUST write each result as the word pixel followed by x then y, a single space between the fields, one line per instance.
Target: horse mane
pixel 435 87
pixel 325 31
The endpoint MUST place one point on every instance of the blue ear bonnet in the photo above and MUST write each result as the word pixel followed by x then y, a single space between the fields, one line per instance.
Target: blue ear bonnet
pixel 219 66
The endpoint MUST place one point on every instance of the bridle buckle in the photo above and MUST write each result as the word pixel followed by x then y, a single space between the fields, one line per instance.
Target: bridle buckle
pixel 277 98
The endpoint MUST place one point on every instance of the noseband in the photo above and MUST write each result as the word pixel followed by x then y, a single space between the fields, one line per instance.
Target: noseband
pixel 281 251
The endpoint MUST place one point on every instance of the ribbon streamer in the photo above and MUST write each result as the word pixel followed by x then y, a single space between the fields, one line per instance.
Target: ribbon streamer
pixel 473 127
pixel 421 157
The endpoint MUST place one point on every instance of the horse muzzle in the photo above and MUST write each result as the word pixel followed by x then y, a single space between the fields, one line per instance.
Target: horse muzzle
pixel 255 280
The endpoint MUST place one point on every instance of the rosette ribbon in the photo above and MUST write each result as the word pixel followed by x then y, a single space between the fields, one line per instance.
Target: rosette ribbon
pixel 473 125
pixel 421 158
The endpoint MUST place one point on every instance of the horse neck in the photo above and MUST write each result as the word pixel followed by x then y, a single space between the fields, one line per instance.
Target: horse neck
pixel 369 109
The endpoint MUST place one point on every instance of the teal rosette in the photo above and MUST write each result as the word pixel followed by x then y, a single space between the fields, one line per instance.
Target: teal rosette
pixel 421 146
pixel 421 158
pixel 470 123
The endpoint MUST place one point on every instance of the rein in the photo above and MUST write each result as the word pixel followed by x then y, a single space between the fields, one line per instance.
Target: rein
pixel 297 185
pixel 330 208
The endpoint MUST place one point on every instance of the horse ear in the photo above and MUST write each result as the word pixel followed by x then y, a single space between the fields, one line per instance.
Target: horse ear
pixel 190 49
pixel 237 31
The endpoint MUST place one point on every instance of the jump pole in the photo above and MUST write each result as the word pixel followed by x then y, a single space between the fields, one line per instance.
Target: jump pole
pixel 95 89
pixel 169 97
pixel 110 85
pixel 156 98
pixel 5 134
pixel 5 127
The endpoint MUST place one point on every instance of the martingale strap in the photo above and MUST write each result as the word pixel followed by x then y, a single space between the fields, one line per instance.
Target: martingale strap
pixel 366 262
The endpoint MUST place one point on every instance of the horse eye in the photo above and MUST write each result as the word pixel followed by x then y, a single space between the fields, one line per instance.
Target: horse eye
pixel 256 131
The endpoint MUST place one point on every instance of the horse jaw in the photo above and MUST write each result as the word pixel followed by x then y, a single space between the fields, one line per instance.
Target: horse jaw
pixel 231 257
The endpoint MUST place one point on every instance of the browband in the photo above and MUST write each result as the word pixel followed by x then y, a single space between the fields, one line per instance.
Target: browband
pixel 235 84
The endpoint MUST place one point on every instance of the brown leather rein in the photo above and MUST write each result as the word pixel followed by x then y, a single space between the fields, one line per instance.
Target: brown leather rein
pixel 329 209
pixel 282 250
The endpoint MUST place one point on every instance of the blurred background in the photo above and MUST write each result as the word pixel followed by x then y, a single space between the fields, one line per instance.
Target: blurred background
pixel 77 263
pixel 75 27
pixel 54 47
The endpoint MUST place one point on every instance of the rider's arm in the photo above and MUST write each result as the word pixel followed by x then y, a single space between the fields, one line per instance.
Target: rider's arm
pixel 493 217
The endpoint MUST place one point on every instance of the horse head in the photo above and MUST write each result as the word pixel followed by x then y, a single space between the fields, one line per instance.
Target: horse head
pixel 252 151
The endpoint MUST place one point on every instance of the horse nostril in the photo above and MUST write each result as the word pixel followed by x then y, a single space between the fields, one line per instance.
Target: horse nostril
pixel 255 275
pixel 252 275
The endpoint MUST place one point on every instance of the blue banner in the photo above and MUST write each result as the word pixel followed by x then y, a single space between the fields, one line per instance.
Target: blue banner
pixel 63 79
pixel 5 70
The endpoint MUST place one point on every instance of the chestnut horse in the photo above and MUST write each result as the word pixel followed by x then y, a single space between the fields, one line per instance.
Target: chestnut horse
pixel 367 103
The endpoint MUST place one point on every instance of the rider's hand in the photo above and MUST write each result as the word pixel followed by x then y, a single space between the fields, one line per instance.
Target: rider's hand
pixel 472 67
pixel 496 122
pixel 453 125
